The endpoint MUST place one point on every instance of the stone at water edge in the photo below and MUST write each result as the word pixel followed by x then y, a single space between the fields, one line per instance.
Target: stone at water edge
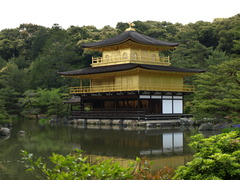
pixel 4 132
pixel 22 133
pixel 206 127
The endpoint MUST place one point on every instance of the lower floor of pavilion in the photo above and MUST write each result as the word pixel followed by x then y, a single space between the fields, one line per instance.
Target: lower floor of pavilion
pixel 131 104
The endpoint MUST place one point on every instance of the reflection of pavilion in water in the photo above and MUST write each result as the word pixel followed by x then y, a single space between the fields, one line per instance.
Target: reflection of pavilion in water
pixel 171 143
pixel 126 143
pixel 161 146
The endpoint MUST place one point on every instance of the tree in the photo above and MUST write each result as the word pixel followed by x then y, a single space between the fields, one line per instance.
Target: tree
pixel 216 158
pixel 227 32
pixel 216 58
pixel 10 43
pixel 9 98
pixel 3 113
pixel 121 27
pixel 43 101
pixel 107 32
pixel 29 103
pixel 204 32
pixel 38 42
pixel 58 55
pixel 191 54
pixel 2 64
pixel 13 82
pixel 217 92
pixel 10 74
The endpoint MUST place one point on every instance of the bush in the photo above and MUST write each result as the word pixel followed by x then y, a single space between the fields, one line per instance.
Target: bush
pixel 216 158
pixel 75 166
pixel 231 127
pixel 144 171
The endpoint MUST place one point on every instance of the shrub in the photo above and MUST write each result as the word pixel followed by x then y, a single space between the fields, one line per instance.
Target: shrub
pixel 144 171
pixel 217 157
pixel 76 167
pixel 231 127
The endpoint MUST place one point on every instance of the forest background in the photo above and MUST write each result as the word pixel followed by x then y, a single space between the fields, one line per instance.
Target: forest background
pixel 31 55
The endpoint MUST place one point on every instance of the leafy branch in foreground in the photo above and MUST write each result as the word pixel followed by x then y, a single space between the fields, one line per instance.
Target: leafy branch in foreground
pixel 76 167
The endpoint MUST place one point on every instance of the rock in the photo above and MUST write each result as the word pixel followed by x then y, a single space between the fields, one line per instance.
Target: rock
pixel 52 121
pixel 4 138
pixel 218 127
pixel 206 127
pixel 184 121
pixel 22 133
pixel 4 131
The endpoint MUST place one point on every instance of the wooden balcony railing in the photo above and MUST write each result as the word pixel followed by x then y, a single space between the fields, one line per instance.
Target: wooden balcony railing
pixel 102 61
pixel 118 88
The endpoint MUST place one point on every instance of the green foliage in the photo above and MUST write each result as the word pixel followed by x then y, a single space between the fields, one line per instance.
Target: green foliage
pixel 43 101
pixel 217 92
pixel 216 157
pixel 3 113
pixel 191 55
pixel 227 31
pixel 9 98
pixel 144 171
pixel 43 121
pixel 58 55
pixel 76 166
pixel 216 58
pixel 11 74
pixel 2 64
pixel 229 129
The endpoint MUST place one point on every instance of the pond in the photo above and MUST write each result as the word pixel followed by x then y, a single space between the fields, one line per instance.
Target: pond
pixel 162 146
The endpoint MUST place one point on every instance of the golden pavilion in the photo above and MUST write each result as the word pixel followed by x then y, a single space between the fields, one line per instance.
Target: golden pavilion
pixel 131 80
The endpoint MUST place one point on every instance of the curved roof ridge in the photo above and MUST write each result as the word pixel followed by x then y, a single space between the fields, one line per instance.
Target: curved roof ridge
pixel 134 36
pixel 122 67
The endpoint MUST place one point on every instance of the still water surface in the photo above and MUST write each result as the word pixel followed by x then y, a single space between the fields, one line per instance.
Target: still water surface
pixel 163 146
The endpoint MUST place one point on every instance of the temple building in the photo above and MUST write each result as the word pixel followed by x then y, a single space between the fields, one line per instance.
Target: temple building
pixel 131 80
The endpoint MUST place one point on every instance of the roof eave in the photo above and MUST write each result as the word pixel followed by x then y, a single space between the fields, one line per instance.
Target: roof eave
pixel 97 48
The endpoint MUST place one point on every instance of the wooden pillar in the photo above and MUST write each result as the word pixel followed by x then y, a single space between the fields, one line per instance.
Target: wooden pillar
pixel 115 103
pixel 81 104
pixel 81 82
pixel 150 104
pixel 138 107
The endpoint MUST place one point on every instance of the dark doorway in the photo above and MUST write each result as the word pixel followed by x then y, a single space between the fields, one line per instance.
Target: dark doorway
pixel 155 106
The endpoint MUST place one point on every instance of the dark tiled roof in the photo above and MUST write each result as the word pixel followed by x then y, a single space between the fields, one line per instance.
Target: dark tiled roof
pixel 122 67
pixel 130 35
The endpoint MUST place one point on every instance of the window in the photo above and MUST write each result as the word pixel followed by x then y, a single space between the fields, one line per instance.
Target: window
pixel 177 106
pixel 172 106
pixel 135 56
pixel 153 58
pixel 107 58
pixel 125 56
pixel 167 107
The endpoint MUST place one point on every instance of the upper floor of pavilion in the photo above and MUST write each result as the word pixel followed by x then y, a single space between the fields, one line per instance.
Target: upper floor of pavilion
pixel 130 47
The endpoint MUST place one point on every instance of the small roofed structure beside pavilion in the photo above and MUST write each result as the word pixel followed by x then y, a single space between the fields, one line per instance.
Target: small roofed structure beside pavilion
pixel 131 80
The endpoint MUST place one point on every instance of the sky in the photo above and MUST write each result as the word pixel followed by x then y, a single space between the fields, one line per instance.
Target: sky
pixel 100 13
